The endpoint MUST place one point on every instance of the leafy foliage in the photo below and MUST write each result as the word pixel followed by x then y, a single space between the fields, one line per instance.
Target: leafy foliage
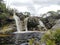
pixel 57 36
pixel 32 23
pixel 5 13
pixel 52 37
pixel 50 21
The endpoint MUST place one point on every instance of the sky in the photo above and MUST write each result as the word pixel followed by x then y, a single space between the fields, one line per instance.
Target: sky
pixel 35 7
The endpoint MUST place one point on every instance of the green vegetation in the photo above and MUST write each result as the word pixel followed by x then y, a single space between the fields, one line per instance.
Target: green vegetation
pixel 31 41
pixel 5 14
pixel 32 23
pixel 50 21
pixel 52 37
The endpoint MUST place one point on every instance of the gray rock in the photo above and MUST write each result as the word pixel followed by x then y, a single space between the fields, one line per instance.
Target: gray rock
pixel 57 25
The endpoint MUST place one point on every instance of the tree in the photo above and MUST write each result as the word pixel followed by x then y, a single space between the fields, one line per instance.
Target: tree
pixel 50 20
pixel 5 13
pixel 27 13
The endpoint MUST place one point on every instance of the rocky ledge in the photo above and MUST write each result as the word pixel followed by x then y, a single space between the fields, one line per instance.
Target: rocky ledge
pixel 22 38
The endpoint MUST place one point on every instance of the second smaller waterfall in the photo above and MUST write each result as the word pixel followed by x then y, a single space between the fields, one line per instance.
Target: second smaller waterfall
pixel 25 21
pixel 42 25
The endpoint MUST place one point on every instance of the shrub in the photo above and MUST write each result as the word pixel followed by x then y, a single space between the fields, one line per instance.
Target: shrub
pixel 52 37
pixel 57 36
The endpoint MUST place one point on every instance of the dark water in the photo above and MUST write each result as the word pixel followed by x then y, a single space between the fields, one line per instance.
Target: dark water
pixel 20 38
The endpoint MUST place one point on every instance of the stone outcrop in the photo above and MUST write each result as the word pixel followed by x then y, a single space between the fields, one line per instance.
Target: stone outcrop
pixel 57 25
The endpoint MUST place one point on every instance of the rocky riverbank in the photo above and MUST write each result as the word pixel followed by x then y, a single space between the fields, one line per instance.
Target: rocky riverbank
pixel 22 38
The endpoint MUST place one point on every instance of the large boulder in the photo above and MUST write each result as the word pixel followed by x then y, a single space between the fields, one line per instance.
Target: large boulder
pixel 57 25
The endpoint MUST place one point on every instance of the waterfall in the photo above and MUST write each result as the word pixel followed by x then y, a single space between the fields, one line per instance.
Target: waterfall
pixel 25 21
pixel 18 23
pixel 42 25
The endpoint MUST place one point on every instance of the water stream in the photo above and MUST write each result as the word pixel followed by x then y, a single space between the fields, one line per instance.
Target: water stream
pixel 18 23
pixel 25 21
pixel 20 27
pixel 42 25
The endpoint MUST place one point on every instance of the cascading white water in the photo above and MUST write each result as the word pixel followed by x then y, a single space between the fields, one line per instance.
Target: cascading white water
pixel 18 23
pixel 42 25
pixel 25 21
